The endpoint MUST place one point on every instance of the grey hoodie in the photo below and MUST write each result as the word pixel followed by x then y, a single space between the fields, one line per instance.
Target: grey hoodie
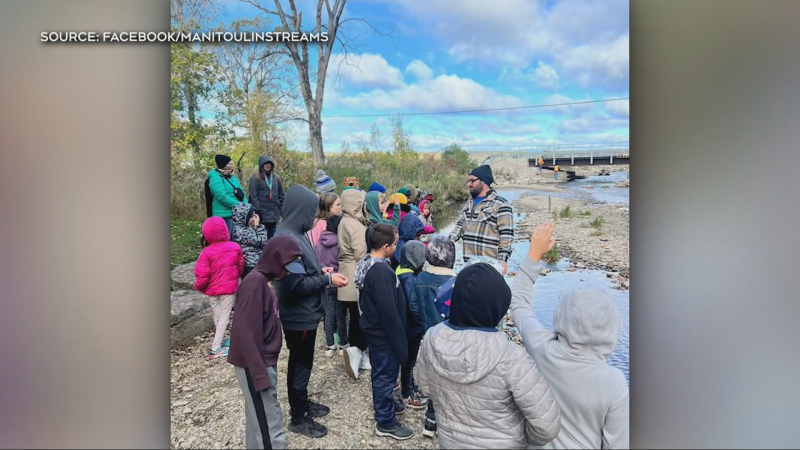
pixel 300 296
pixel 267 202
pixel 592 395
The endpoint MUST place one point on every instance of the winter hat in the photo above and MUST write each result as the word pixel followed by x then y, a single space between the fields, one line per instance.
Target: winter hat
pixel 250 213
pixel 222 160
pixel 376 187
pixel 483 173
pixel 481 297
pixel 402 197
pixel 413 255
pixel 404 190
pixel 412 194
pixel 324 182
pixel 441 252
pixel 350 182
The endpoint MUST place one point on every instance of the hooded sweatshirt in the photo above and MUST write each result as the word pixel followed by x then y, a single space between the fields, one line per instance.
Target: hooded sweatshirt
pixel 327 250
pixel 268 201
pixel 383 308
pixel 300 296
pixel 352 240
pixel 256 333
pixel 251 240
pixel 488 392
pixel 373 202
pixel 593 396
pixel 427 221
pixel 410 227
pixel 221 263
pixel 411 262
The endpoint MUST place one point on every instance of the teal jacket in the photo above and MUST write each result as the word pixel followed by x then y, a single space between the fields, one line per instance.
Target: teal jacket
pixel 221 189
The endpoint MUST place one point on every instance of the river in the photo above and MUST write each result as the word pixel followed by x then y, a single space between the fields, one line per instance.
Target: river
pixel 547 288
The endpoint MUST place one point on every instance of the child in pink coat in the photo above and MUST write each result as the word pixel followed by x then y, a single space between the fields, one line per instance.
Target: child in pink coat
pixel 217 273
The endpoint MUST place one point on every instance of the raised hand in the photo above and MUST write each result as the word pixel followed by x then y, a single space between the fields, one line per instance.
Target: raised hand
pixel 542 240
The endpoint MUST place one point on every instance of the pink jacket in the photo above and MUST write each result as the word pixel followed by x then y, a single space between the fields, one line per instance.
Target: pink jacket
pixel 220 264
pixel 316 231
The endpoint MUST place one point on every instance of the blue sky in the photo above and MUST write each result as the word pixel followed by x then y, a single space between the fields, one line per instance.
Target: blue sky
pixel 475 54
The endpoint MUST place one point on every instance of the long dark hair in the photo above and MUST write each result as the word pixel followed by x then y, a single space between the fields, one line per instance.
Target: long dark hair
pixel 326 201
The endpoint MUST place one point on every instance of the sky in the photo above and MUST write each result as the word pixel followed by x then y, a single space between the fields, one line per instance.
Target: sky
pixel 449 55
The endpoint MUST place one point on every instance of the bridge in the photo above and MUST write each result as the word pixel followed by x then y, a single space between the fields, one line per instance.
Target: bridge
pixel 608 153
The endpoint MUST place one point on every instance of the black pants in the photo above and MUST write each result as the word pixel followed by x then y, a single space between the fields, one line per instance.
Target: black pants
pixel 335 318
pixel 246 271
pixel 407 370
pixel 384 375
pixel 355 337
pixel 301 359
pixel 270 226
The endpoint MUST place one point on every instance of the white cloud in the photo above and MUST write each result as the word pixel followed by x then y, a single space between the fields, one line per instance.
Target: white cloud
pixel 567 109
pixel 420 70
pixel 545 76
pixel 621 108
pixel 603 64
pixel 365 71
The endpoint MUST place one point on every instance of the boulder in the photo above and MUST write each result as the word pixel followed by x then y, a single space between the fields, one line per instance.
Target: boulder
pixel 183 277
pixel 190 317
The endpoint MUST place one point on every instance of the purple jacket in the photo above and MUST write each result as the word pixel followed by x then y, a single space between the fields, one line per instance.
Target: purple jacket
pixel 327 250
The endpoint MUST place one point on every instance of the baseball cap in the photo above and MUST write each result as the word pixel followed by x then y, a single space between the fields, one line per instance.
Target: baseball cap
pixel 295 267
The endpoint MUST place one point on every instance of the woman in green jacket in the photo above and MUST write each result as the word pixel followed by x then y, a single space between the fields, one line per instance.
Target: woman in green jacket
pixel 224 187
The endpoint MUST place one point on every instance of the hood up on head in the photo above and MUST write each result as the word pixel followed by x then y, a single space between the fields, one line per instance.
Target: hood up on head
pixel 279 251
pixel 481 297
pixel 353 204
pixel 409 227
pixel 587 321
pixel 299 209
pixel 263 159
pixel 413 256
pixel 373 202
pixel 422 207
pixel 413 192
pixel 215 230
pixel 240 212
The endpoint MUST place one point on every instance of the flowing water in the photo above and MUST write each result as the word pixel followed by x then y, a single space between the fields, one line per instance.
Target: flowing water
pixel 547 288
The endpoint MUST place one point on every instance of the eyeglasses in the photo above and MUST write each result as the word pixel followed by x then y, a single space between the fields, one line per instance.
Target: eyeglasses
pixel 472 180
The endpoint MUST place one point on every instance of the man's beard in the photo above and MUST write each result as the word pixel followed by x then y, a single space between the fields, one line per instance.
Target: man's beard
pixel 475 191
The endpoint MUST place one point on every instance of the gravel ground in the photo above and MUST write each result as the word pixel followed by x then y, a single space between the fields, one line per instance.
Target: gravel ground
pixel 208 407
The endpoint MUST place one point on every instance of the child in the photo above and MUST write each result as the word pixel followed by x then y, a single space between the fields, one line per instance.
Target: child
pixel 249 233
pixel 395 199
pixel 410 229
pixel 593 396
pixel 329 205
pixel 433 287
pixel 427 219
pixel 327 250
pixel 217 273
pixel 411 262
pixel 482 383
pixel 383 322
pixel 256 340
pixel 376 206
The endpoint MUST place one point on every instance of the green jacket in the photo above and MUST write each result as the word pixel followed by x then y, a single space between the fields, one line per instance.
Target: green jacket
pixel 221 189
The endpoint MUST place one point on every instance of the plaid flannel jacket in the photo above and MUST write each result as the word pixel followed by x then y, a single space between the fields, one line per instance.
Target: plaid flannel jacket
pixel 486 230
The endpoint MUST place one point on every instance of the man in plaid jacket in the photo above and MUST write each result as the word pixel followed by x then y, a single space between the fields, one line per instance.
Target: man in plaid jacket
pixel 486 223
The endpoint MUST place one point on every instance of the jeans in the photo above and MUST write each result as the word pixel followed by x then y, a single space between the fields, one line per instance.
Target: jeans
pixel 298 373
pixel 384 374
pixel 407 370
pixel 270 229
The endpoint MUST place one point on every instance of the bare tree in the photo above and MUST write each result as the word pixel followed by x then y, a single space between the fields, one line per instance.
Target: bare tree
pixel 298 52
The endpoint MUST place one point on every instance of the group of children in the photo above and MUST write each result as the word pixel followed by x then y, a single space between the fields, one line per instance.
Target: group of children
pixel 376 259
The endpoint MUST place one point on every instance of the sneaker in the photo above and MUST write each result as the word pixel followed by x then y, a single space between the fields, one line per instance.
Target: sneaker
pixel 330 350
pixel 307 427
pixel 316 410
pixel 414 402
pixel 399 407
pixel 365 365
pixel 419 392
pixel 218 353
pixel 399 432
pixel 227 343
pixel 352 360
pixel 429 428
pixel 396 387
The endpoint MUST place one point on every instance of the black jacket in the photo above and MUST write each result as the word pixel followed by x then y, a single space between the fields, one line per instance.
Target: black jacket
pixel 268 209
pixel 300 296
pixel 383 312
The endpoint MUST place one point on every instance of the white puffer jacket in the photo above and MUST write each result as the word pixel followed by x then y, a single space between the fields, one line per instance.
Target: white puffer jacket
pixel 487 392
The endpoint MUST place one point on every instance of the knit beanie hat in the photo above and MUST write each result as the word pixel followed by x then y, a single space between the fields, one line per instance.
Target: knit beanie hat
pixel 250 213
pixel 404 190
pixel 324 182
pixel 441 252
pixel 413 255
pixel 483 173
pixel 403 198
pixel 376 187
pixel 222 160
pixel 481 297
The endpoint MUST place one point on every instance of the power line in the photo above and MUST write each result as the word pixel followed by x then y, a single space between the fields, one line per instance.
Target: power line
pixel 480 110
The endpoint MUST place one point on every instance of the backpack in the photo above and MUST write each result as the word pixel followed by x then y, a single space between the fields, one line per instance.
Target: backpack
pixel 209 199
pixel 443 295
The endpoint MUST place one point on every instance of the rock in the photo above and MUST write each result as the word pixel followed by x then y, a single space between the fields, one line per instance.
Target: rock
pixel 580 265
pixel 190 317
pixel 183 277
pixel 180 403
pixel 544 271
pixel 624 184
pixel 187 411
